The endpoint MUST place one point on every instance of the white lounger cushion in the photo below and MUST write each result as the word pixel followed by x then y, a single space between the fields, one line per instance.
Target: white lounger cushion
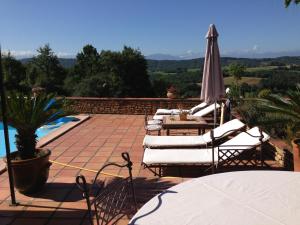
pixel 167 111
pixel 191 141
pixel 178 156
pixel 241 142
pixel 176 111
pixel 244 140
pixel 224 130
pixel 206 110
pixel 158 117
pixel 198 107
pixel 202 112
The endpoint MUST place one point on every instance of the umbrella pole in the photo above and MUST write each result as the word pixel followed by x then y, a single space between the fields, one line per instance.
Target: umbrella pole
pixel 215 114
pixel 6 137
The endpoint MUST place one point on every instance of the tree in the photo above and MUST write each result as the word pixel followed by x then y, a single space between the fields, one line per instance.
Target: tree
pixel 14 74
pixel 134 74
pixel 87 62
pixel 236 70
pixel 109 74
pixel 288 2
pixel 46 71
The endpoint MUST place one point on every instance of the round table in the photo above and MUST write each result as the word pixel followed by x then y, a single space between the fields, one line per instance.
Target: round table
pixel 247 198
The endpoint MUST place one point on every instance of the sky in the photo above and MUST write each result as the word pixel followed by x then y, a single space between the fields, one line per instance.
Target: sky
pixel 174 27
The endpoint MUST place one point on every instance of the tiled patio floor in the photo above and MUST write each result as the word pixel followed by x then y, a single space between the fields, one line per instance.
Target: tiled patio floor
pixel 99 140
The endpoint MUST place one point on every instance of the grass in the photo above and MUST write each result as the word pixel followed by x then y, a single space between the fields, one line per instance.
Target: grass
pixel 261 68
pixel 249 80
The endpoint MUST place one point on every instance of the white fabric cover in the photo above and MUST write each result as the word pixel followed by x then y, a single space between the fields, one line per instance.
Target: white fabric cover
pixel 191 141
pixel 158 117
pixel 198 107
pixel 167 111
pixel 176 111
pixel 202 112
pixel 235 198
pixel 178 156
pixel 153 127
pixel 207 110
pixel 154 122
pixel 241 142
pixel 244 140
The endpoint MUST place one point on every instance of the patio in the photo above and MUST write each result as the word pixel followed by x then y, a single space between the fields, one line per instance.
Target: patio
pixel 100 139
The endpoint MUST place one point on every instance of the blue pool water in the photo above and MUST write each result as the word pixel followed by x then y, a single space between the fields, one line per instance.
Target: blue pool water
pixel 41 132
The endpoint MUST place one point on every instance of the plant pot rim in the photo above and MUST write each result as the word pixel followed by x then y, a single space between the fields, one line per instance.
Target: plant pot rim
pixel 47 153
pixel 296 141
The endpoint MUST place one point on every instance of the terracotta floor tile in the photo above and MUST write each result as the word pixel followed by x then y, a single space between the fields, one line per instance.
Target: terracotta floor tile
pixel 65 159
pixel 30 221
pixel 7 210
pixel 40 209
pixel 4 194
pixel 62 221
pixel 99 140
pixel 81 159
pixel 6 220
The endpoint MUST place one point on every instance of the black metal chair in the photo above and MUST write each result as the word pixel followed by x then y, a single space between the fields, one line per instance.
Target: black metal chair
pixel 109 202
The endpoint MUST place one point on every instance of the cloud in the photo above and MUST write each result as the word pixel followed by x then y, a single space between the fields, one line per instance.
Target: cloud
pixel 255 48
pixel 28 53
pixel 19 53
pixel 64 55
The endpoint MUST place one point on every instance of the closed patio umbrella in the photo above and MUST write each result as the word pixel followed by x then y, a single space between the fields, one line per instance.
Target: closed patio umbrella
pixel 212 81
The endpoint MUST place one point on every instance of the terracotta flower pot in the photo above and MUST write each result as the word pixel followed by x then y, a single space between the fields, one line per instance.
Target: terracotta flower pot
pixel 183 116
pixel 30 175
pixel 171 95
pixel 296 154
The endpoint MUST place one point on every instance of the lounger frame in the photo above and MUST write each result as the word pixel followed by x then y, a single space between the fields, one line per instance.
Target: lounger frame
pixel 228 155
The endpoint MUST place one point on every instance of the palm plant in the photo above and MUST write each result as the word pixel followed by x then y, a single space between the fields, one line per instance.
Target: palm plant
pixel 26 114
pixel 284 111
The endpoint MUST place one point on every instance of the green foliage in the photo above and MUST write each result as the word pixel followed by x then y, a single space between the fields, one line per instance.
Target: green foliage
pixel 14 73
pixel 280 81
pixel 186 82
pixel 236 70
pixel 45 71
pixel 288 2
pixel 27 114
pixel 283 110
pixel 109 74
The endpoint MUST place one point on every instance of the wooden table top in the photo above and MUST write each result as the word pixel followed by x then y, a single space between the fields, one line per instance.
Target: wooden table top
pixel 191 122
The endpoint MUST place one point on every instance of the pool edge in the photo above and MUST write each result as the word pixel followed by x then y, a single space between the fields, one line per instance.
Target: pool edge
pixel 53 135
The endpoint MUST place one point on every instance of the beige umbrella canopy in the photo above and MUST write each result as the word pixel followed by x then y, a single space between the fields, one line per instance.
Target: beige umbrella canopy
pixel 212 81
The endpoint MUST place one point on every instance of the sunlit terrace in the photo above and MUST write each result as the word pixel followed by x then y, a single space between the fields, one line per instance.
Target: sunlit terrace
pixel 86 148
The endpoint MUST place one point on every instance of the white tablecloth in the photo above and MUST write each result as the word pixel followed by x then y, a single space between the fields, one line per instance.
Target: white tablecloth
pixel 236 198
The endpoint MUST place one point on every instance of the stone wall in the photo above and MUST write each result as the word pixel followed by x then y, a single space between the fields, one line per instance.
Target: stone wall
pixel 128 105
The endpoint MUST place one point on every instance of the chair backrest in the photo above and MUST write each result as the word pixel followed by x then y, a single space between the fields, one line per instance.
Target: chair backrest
pixel 109 201
pixel 198 107
pixel 207 110
pixel 242 142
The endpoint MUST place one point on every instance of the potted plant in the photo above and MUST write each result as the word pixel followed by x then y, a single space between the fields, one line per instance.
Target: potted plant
pixel 172 92
pixel 30 165
pixel 285 111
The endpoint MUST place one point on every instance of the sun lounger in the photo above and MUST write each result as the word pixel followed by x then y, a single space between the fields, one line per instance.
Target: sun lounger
pixel 229 150
pixel 203 112
pixel 177 111
pixel 192 141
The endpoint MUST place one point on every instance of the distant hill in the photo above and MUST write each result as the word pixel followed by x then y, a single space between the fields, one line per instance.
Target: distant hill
pixel 172 65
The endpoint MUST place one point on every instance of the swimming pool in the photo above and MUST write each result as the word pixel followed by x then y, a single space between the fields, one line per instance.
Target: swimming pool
pixel 41 132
